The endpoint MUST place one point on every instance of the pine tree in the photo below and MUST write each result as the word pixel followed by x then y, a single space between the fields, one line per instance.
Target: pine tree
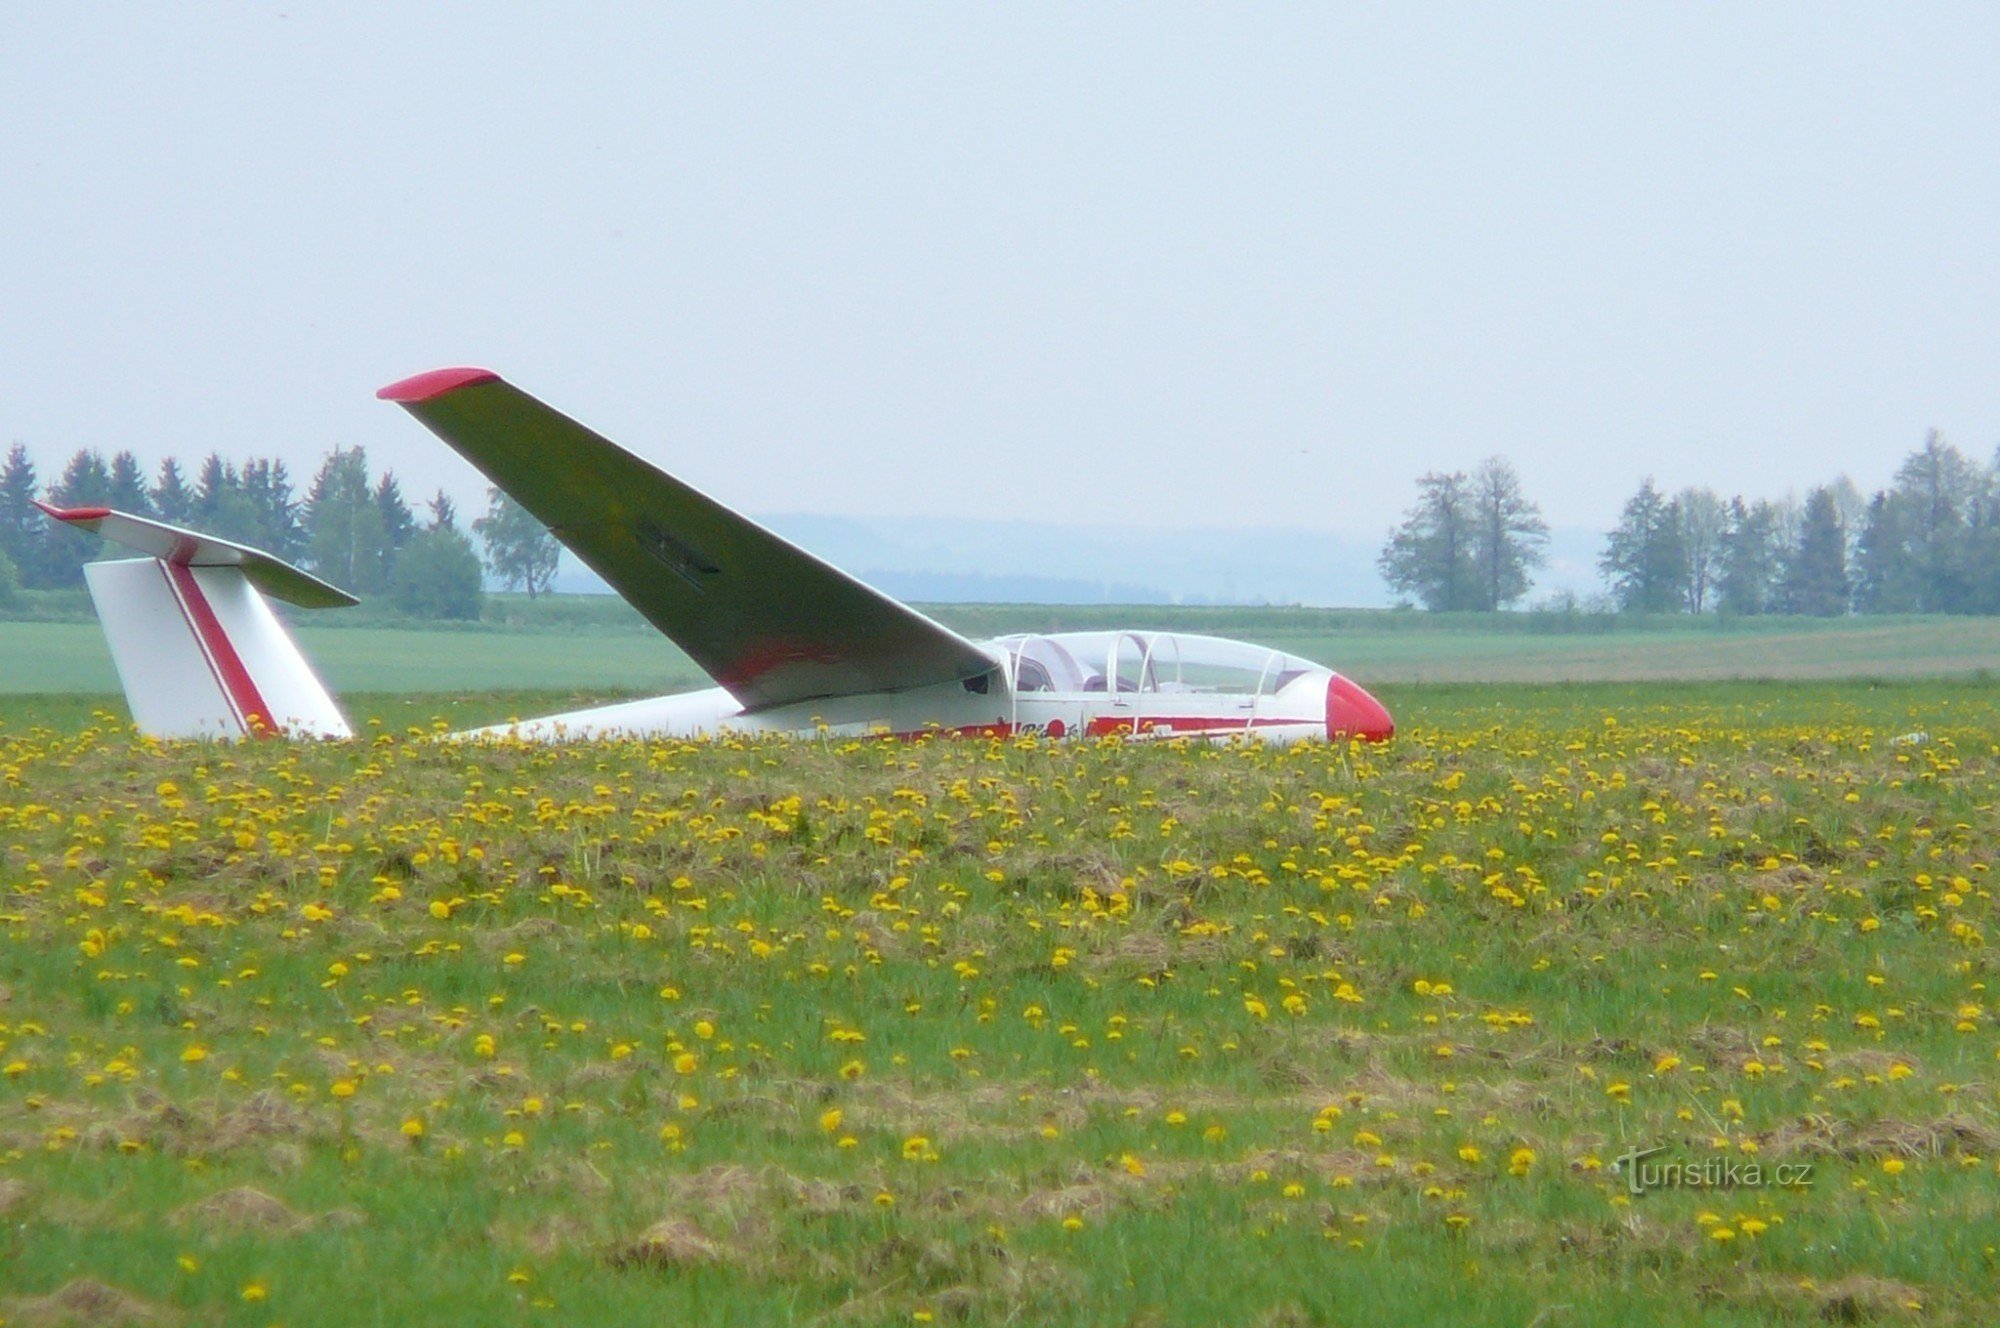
pixel 1815 576
pixel 1983 543
pixel 1747 575
pixel 85 482
pixel 1886 578
pixel 1430 556
pixel 520 551
pixel 1508 535
pixel 271 509
pixel 398 524
pixel 1644 558
pixel 21 525
pixel 173 501
pixel 128 486
pixel 1935 483
pixel 344 539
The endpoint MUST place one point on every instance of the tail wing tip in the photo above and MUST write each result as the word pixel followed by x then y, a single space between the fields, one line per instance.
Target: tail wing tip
pixel 434 383
pixel 72 514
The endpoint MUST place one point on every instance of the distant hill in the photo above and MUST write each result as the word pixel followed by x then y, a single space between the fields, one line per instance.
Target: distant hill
pixel 953 561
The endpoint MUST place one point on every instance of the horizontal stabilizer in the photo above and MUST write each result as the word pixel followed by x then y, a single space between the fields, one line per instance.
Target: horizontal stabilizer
pixel 186 548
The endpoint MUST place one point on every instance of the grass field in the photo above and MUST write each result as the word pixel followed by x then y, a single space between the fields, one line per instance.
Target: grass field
pixel 597 644
pixel 395 1032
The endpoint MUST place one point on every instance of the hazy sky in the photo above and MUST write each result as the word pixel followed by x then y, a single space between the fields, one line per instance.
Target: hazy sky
pixel 1222 265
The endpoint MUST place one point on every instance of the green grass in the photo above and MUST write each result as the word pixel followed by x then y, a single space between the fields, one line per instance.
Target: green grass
pixel 597 643
pixel 801 1032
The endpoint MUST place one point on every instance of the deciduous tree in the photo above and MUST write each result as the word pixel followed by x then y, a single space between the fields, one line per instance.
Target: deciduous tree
pixel 520 551
pixel 1508 535
pixel 1429 557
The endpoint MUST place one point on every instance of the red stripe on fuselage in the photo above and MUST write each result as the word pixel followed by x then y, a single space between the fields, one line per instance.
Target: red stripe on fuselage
pixel 235 679
pixel 1104 725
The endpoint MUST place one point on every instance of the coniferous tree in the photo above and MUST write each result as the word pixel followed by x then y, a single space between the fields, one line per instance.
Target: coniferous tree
pixel 173 501
pixel 1983 543
pixel 1429 557
pixel 1934 485
pixel 212 487
pixel 1748 563
pixel 128 486
pixel 520 551
pixel 344 538
pixel 84 482
pixel 21 525
pixel 1886 578
pixel 271 509
pixel 397 521
pixel 223 505
pixel 1815 576
pixel 10 580
pixel 1644 558
pixel 1508 535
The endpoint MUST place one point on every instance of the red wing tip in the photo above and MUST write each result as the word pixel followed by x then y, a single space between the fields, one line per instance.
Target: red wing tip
pixel 73 513
pixel 437 382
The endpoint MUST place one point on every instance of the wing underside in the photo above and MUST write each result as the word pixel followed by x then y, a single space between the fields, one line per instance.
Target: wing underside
pixel 768 621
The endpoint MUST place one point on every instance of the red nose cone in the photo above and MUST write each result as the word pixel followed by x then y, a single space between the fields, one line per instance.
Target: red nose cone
pixel 1353 713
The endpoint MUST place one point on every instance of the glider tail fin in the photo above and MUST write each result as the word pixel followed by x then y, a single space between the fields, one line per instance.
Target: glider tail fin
pixel 198 649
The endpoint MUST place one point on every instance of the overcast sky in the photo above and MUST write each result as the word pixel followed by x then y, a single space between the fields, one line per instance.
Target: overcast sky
pixel 1220 266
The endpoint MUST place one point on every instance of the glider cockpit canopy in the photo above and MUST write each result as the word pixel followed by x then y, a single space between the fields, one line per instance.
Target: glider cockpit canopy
pixel 1164 662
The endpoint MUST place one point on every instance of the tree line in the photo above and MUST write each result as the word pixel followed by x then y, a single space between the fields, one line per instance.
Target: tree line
pixel 1927 543
pixel 350 527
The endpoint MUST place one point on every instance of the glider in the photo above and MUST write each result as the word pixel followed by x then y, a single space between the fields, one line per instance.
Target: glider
pixel 794 644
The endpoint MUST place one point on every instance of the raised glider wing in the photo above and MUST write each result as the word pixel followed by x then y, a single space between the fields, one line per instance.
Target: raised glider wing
pixel 797 645
pixel 766 619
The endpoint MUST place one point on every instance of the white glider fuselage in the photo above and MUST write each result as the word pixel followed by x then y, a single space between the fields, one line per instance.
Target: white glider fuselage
pixel 1166 684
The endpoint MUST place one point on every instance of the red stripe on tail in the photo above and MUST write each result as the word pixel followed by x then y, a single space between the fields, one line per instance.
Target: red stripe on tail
pixel 229 671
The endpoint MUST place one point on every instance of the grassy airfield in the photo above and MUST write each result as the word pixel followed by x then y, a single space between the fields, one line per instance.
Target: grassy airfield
pixel 1003 1032
pixel 597 642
